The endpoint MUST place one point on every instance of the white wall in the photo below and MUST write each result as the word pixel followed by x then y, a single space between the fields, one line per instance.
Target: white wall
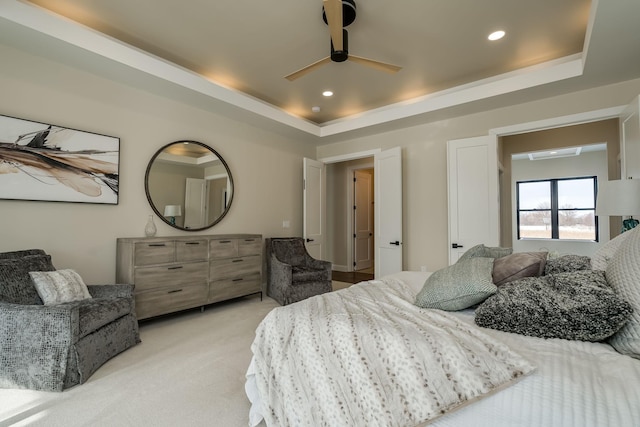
pixel 425 227
pixel 587 164
pixel 266 167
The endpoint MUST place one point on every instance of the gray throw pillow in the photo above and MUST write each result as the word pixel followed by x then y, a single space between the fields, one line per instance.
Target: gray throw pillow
pixel 567 264
pixel 485 252
pixel 576 306
pixel 458 286
pixel 518 265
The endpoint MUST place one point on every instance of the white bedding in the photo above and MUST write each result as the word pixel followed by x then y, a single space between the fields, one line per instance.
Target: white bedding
pixel 575 384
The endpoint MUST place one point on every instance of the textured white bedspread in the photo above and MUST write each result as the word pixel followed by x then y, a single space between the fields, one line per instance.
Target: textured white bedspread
pixel 366 356
pixel 576 384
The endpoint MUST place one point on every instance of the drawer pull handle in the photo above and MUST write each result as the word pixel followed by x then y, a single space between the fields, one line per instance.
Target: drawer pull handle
pixel 225 241
pixel 157 244
pixel 192 243
pixel 249 240
pixel 178 267
pixel 175 291
pixel 238 280
pixel 237 260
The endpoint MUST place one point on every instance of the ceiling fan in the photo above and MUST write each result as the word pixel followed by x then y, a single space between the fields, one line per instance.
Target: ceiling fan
pixel 337 15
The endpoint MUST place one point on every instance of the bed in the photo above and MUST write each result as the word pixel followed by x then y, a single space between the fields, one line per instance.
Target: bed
pixel 369 356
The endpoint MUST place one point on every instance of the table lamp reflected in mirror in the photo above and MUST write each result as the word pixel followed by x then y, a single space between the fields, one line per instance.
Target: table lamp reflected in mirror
pixel 620 198
pixel 172 211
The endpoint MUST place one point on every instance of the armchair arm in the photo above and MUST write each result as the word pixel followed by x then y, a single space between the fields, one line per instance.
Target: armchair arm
pixel 110 291
pixel 280 278
pixel 319 264
pixel 35 341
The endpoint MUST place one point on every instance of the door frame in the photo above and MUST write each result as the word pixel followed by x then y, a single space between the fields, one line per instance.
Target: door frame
pixel 552 123
pixel 345 158
pixel 350 218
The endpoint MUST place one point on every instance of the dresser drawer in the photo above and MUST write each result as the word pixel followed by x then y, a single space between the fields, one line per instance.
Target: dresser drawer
pixel 193 250
pixel 220 290
pixel 234 267
pixel 251 246
pixel 154 303
pixel 223 248
pixel 170 275
pixel 147 253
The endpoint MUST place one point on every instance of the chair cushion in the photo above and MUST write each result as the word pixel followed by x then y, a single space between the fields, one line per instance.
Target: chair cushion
pixel 306 274
pixel 96 312
pixel 21 253
pixel 56 287
pixel 290 251
pixel 16 286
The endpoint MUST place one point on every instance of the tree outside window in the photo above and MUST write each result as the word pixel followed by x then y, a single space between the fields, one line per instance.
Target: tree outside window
pixel 561 209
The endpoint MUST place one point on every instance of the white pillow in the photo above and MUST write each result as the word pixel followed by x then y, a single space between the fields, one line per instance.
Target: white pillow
pixel 56 287
pixel 623 275
pixel 601 258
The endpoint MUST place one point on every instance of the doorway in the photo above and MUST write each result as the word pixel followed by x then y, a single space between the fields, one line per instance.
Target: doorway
pixel 363 220
pixel 351 217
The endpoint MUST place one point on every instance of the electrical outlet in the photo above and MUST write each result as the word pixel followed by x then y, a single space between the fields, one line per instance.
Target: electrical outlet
pixel 286 223
pixel 423 268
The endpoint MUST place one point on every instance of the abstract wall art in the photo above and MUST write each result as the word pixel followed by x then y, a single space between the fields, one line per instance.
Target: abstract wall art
pixel 46 162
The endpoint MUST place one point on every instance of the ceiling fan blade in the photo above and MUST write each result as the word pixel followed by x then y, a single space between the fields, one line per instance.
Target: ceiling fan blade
pixel 301 72
pixel 387 68
pixel 333 12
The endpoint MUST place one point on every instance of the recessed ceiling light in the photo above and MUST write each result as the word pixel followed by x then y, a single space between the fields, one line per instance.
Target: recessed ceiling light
pixel 327 93
pixel 496 35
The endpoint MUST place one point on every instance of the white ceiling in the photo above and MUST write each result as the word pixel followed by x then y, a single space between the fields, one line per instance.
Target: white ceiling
pixel 231 57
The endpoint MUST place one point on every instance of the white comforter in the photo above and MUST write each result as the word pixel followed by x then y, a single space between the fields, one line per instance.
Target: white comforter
pixel 576 384
pixel 366 356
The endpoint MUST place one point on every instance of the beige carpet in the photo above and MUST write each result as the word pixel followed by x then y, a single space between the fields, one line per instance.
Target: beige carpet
pixel 188 371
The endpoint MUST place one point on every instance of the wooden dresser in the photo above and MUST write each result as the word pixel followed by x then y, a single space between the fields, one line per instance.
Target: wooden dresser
pixel 177 273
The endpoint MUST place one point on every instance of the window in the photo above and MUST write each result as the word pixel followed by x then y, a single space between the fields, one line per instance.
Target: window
pixel 562 209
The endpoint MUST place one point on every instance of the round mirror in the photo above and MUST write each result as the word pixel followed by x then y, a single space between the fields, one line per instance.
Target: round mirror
pixel 189 185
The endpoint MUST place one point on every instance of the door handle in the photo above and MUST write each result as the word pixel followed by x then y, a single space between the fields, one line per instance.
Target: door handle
pixel 397 243
pixel 309 240
pixel 456 246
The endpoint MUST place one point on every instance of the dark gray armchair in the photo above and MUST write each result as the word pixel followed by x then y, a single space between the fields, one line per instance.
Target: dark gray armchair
pixel 292 274
pixel 53 347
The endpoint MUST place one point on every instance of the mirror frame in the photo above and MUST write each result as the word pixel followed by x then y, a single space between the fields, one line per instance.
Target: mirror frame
pixel 153 206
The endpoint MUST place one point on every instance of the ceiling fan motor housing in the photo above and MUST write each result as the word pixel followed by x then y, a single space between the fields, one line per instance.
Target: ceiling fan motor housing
pixel 341 55
pixel 348 13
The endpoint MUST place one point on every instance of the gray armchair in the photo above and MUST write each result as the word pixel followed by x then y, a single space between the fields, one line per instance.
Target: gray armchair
pixel 292 274
pixel 53 347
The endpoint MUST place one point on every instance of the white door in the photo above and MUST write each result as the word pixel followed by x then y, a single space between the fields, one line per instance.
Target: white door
pixel 363 220
pixel 474 203
pixel 314 214
pixel 630 140
pixel 195 203
pixel 388 212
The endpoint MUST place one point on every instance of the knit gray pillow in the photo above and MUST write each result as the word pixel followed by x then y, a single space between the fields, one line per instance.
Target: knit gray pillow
pixel 567 264
pixel 485 252
pixel 576 306
pixel 458 286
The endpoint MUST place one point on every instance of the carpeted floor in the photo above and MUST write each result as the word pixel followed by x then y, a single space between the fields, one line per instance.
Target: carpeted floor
pixel 188 371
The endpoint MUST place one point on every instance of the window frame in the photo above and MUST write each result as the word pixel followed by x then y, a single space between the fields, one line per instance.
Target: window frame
pixel 554 210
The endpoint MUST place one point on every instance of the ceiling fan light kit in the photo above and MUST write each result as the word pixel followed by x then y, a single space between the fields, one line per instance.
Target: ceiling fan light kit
pixel 338 14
